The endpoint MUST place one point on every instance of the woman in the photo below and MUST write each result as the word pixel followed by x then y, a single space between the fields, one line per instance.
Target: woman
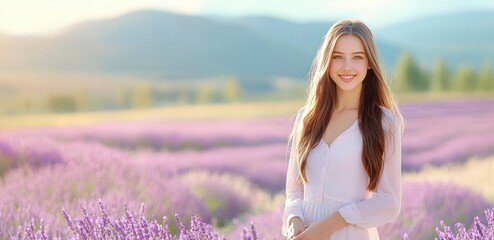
pixel 344 171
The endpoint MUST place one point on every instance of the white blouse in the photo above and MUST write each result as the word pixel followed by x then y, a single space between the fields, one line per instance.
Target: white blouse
pixel 338 182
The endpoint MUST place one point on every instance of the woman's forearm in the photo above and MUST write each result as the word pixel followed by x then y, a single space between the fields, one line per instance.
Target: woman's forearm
pixel 334 222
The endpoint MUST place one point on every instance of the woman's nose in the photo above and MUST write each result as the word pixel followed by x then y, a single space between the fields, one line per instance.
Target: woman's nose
pixel 347 65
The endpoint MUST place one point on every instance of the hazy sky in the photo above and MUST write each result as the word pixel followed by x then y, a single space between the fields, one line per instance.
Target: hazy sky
pixel 21 17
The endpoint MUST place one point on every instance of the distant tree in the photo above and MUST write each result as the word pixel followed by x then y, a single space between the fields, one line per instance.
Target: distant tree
pixel 408 76
pixel 232 90
pixel 486 78
pixel 61 103
pixel 183 96
pixel 142 96
pixel 464 79
pixel 123 97
pixel 440 76
pixel 25 105
pixel 82 100
pixel 204 94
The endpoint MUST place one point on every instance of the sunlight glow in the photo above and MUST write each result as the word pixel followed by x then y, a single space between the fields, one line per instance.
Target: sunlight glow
pixel 28 17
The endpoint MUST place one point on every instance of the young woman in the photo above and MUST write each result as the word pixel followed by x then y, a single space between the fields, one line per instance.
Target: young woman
pixel 344 170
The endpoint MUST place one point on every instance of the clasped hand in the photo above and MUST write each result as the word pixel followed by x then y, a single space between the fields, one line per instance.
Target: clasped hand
pixel 299 231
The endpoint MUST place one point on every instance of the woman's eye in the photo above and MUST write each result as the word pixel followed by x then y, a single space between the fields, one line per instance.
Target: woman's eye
pixel 358 57
pixel 337 57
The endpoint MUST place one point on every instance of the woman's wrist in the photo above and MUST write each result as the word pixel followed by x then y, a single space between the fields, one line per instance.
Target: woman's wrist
pixel 335 222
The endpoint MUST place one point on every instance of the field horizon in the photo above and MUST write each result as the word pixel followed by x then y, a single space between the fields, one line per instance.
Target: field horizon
pixel 235 110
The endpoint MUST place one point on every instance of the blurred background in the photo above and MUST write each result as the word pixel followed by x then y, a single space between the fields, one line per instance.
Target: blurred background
pixel 67 56
pixel 186 106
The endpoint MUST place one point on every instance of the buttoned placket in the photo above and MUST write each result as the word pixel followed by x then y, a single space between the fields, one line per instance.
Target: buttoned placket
pixel 324 169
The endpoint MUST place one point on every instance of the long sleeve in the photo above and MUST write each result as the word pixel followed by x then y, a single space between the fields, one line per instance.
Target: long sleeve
pixel 385 203
pixel 294 185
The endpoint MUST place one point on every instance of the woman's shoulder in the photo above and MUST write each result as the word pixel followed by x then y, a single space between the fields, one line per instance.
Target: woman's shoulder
pixel 387 113
pixel 296 117
pixel 301 110
pixel 392 119
pixel 300 113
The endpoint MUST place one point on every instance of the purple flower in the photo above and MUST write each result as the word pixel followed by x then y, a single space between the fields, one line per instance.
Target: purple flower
pixel 424 204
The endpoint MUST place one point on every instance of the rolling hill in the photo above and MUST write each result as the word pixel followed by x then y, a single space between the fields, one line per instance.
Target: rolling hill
pixel 460 38
pixel 165 45
pixel 256 49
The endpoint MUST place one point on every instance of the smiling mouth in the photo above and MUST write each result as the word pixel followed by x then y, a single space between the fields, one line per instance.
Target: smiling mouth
pixel 347 78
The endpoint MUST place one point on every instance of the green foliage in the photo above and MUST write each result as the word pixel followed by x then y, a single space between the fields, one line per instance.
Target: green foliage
pixel 232 90
pixel 183 97
pixel 123 97
pixel 204 94
pixel 401 81
pixel 486 78
pixel 61 103
pixel 410 78
pixel 141 96
pixel 82 100
pixel 440 77
pixel 465 79
pixel 24 105
pixel 408 75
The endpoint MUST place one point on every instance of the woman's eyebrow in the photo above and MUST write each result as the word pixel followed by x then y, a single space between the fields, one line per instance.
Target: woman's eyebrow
pixel 352 53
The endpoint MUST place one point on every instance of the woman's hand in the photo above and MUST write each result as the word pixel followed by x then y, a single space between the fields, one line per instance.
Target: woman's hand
pixel 316 231
pixel 295 227
pixel 324 228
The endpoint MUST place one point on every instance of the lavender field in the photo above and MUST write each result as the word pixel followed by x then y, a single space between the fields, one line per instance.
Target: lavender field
pixel 227 171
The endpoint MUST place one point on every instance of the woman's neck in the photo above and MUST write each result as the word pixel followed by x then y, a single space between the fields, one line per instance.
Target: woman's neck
pixel 348 100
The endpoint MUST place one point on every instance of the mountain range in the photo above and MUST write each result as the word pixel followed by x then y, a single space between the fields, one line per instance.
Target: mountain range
pixel 459 38
pixel 256 49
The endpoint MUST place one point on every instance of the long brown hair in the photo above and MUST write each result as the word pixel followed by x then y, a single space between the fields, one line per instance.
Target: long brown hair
pixel 322 100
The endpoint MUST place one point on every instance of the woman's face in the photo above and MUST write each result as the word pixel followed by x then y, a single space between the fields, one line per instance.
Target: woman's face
pixel 349 63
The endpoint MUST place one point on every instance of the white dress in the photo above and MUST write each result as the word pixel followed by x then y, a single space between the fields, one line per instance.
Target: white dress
pixel 338 182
